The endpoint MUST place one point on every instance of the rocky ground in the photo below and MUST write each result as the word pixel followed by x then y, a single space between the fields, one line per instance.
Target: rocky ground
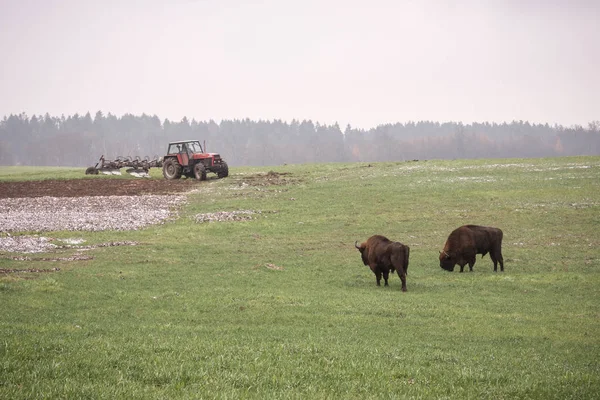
pixel 83 205
pixel 96 205
pixel 88 204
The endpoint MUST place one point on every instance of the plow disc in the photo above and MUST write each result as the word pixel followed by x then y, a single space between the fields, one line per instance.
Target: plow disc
pixel 135 166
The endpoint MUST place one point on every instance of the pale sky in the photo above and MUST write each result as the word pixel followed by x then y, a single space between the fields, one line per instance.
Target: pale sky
pixel 359 62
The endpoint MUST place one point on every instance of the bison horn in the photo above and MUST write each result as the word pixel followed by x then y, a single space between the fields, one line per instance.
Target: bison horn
pixel 355 245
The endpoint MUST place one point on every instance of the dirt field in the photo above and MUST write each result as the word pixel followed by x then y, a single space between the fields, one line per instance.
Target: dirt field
pixel 90 204
pixel 96 204
pixel 95 187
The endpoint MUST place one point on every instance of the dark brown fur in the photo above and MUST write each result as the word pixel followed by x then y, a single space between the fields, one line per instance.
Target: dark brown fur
pixel 382 256
pixel 466 242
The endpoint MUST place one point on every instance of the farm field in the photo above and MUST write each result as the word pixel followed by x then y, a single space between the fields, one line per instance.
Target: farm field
pixel 251 286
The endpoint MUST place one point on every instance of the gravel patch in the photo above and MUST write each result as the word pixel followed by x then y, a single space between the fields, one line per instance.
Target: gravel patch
pixel 42 244
pixel 220 216
pixel 26 244
pixel 37 270
pixel 92 213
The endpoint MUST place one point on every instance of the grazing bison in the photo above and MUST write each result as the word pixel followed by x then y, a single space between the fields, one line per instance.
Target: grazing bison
pixel 382 256
pixel 467 241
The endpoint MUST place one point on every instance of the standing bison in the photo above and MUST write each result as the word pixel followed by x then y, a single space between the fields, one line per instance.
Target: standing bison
pixel 382 256
pixel 467 241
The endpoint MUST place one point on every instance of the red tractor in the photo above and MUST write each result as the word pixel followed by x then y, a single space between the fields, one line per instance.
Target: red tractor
pixel 188 158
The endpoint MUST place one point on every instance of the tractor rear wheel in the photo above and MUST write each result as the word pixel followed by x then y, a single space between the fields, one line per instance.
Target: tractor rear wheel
pixel 91 171
pixel 171 169
pixel 224 171
pixel 200 172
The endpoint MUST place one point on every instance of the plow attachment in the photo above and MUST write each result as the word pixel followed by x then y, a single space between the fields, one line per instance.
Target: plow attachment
pixel 135 166
pixel 138 173
pixel 110 171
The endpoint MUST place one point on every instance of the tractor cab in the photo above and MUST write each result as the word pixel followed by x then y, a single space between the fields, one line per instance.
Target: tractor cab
pixel 188 147
pixel 189 158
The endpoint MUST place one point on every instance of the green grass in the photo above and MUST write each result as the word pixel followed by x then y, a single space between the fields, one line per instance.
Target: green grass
pixel 39 173
pixel 8 174
pixel 196 312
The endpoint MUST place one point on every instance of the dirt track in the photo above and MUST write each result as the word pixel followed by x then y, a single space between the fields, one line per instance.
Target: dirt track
pixel 95 187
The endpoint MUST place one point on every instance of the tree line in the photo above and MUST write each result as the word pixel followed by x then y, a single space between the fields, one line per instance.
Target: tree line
pixel 80 140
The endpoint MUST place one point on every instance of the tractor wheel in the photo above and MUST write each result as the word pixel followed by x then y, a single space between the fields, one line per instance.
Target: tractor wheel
pixel 171 169
pixel 91 171
pixel 200 172
pixel 224 172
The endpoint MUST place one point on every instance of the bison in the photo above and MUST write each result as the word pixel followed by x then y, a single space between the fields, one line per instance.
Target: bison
pixel 467 241
pixel 382 256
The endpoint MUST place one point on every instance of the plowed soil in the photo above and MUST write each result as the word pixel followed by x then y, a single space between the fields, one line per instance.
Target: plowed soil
pixel 95 187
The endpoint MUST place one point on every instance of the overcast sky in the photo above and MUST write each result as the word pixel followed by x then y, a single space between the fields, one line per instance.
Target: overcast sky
pixel 359 62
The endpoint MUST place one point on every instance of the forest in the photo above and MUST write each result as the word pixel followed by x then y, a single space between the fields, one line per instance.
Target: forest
pixel 80 140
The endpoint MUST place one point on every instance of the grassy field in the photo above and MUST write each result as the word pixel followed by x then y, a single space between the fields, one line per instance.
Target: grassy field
pixel 12 174
pixel 281 306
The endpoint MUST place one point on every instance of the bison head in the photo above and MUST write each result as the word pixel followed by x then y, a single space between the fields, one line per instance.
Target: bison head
pixel 446 261
pixel 363 253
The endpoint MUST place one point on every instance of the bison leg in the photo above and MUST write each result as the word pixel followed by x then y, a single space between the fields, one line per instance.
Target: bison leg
pixel 472 262
pixel 500 259
pixel 495 261
pixel 402 275
pixel 386 274
pixel 497 257
pixel 378 277
pixel 377 271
